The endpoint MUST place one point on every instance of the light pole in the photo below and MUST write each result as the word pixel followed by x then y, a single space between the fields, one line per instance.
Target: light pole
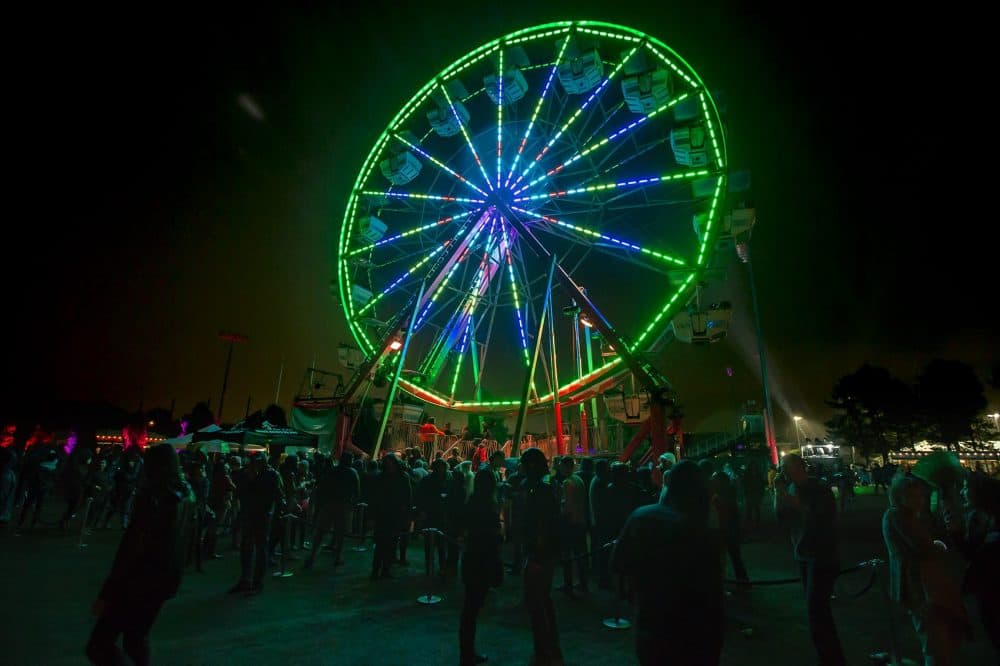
pixel 233 338
pixel 798 439
pixel 996 421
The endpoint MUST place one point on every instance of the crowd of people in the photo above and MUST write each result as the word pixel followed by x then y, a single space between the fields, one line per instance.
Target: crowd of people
pixel 591 518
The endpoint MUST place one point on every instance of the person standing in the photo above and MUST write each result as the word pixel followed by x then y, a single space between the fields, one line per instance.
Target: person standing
pixel 149 563
pixel 806 506
pixel 573 523
pixel 392 500
pixel 259 492
pixel 539 535
pixel 728 511
pixel 688 604
pixel 601 531
pixel 431 498
pixel 482 566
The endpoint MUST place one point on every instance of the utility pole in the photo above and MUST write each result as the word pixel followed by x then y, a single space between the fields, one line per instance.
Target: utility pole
pixel 233 338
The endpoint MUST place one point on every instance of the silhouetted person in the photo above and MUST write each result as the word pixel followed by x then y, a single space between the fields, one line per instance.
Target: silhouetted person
pixel 482 566
pixel 219 494
pixel 38 476
pixel 391 500
pixel 431 497
pixel 679 616
pixel 573 525
pixel 337 489
pixel 979 541
pixel 539 534
pixel 259 491
pixel 728 509
pixel 602 530
pixel 806 506
pixel 753 491
pixel 148 565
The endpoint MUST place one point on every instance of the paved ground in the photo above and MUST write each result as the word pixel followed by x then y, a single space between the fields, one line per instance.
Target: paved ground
pixel 327 616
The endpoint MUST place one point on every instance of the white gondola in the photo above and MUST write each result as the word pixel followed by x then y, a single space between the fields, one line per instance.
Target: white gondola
pixel 740 221
pixel 690 145
pixel 401 168
pixel 514 86
pixel 702 327
pixel 443 120
pixel 647 91
pixel 359 295
pixel 582 73
pixel 371 229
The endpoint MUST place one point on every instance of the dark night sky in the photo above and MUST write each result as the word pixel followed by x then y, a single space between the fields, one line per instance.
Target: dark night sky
pixel 173 214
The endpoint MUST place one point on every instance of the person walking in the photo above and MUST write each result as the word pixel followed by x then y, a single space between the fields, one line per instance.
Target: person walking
pixel 807 508
pixel 148 566
pixel 482 566
pixel 259 492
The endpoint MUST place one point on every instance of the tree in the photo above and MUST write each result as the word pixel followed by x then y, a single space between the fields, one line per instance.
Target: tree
pixel 866 399
pixel 200 417
pixel 951 398
pixel 275 415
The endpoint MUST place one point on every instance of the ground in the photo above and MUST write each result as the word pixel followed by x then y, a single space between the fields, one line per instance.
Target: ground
pixel 338 616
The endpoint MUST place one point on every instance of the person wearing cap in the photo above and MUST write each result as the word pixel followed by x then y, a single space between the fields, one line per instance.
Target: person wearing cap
pixel 539 529
pixel 690 602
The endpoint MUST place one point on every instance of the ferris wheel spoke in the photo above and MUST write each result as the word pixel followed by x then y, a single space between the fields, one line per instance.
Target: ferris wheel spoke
pixel 420 196
pixel 518 318
pixel 620 133
pixel 465 134
pixel 402 278
pixel 500 118
pixel 572 119
pixel 441 165
pixel 598 236
pixel 411 232
pixel 633 183
pixel 538 107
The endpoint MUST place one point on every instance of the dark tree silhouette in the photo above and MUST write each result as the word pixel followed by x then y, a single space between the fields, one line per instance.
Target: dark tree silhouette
pixel 199 417
pixel 951 397
pixel 275 415
pixel 866 399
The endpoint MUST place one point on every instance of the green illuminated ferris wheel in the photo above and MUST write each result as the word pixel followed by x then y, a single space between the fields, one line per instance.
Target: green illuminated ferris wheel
pixel 584 149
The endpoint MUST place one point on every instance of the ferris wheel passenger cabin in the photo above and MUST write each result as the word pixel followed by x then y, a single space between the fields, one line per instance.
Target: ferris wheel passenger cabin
pixel 581 73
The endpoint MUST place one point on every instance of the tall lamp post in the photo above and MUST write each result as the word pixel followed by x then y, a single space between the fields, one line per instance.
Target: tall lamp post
pixel 996 421
pixel 798 439
pixel 233 338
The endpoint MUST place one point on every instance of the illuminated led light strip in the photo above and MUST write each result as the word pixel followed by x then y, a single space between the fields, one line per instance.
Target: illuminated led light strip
pixel 597 234
pixel 602 33
pixel 444 283
pixel 677 70
pixel 517 299
pixel 603 142
pixel 411 195
pixel 461 355
pixel 411 232
pixel 576 114
pixel 468 141
pixel 711 131
pixel 711 219
pixel 666 308
pixel 613 186
pixel 500 118
pixel 582 380
pixel 441 164
pixel 538 107
pixel 543 35
pixel 402 277
pixel 475 56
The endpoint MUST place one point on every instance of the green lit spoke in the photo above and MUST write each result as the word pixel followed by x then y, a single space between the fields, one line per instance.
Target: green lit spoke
pixel 614 136
pixel 441 165
pixel 596 235
pixel 410 232
pixel 633 183
pixel 465 134
pixel 398 281
pixel 572 119
pixel 420 196
pixel 538 107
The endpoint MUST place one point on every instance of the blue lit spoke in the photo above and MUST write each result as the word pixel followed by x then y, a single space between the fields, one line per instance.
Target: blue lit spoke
pixel 425 197
pixel 599 236
pixel 465 134
pixel 573 118
pixel 447 278
pixel 441 165
pixel 623 131
pixel 500 118
pixel 538 107
pixel 513 288
pixel 395 283
pixel 634 182
pixel 410 232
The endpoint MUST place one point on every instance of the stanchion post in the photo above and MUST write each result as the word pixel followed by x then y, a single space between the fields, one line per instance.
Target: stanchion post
pixel 359 509
pixel 81 544
pixel 616 622
pixel 430 599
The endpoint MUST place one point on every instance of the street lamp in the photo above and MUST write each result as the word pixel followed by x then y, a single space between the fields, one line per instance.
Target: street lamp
pixel 798 440
pixel 996 417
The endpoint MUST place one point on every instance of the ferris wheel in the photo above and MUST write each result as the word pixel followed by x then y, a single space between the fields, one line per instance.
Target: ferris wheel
pixel 574 168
